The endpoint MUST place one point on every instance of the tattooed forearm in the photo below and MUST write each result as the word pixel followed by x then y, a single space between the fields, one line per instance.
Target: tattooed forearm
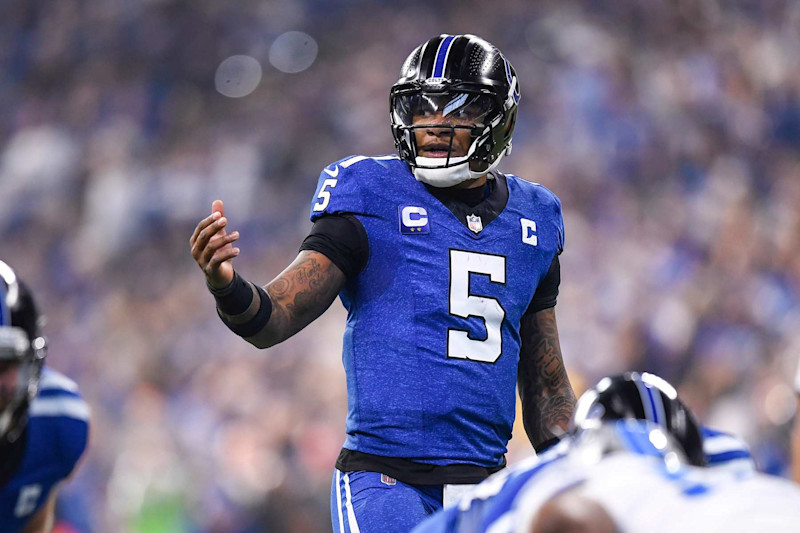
pixel 299 295
pixel 547 397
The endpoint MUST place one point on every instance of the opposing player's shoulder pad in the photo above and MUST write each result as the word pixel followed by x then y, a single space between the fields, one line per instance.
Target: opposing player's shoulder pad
pixel 59 402
pixel 344 186
pixel 724 449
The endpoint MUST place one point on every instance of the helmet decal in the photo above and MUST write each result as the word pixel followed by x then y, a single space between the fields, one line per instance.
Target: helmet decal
pixel 512 82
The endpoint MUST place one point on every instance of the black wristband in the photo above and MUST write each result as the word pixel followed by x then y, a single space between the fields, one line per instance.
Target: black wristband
pixel 243 306
pixel 234 298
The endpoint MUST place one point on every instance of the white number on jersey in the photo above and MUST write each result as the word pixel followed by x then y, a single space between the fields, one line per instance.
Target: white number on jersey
pixel 28 496
pixel 324 195
pixel 464 305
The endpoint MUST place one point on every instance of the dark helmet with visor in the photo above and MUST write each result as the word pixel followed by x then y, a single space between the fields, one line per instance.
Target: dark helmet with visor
pixel 473 87
pixel 22 353
pixel 645 397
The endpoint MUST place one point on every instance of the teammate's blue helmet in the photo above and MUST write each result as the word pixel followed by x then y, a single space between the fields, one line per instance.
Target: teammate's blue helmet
pixel 456 75
pixel 646 397
pixel 22 353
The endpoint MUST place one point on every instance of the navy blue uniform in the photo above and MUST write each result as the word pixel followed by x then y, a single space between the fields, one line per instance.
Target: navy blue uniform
pixel 432 339
pixel 56 436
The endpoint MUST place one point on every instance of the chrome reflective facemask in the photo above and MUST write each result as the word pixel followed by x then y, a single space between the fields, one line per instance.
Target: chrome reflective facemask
pixel 445 110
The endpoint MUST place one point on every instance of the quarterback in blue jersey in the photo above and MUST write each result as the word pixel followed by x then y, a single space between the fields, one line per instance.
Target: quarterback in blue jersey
pixel 606 420
pixel 44 422
pixel 449 271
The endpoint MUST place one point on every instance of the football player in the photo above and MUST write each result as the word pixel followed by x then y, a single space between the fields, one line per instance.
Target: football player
pixel 641 483
pixel 449 271
pixel 628 397
pixel 646 396
pixel 44 422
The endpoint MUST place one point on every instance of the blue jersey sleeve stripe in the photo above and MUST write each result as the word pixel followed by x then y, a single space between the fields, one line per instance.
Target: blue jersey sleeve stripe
pixel 710 432
pixel 722 443
pixel 54 380
pixel 56 393
pixel 724 457
pixel 63 406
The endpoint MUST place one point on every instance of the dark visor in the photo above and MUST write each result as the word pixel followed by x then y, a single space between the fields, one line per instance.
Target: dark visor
pixel 454 107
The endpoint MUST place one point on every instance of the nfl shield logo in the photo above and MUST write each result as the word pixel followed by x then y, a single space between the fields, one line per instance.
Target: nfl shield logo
pixel 474 223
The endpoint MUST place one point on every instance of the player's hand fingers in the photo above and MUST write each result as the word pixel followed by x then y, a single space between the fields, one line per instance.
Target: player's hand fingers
pixel 218 207
pixel 203 224
pixel 225 254
pixel 216 244
pixel 206 234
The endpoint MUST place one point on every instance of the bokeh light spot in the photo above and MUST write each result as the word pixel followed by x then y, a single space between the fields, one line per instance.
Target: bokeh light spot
pixel 238 76
pixel 293 52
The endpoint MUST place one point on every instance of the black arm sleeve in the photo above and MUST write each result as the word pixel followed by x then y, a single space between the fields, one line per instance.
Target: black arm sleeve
pixel 547 291
pixel 343 240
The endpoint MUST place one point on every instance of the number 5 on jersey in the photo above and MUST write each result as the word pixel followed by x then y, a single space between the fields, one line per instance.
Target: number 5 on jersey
pixel 464 305
pixel 324 194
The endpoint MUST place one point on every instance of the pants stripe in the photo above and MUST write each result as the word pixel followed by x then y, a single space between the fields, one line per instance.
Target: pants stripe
pixel 351 514
pixel 339 501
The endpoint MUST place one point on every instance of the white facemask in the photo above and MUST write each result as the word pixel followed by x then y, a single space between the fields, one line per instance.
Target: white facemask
pixel 442 176
pixel 453 175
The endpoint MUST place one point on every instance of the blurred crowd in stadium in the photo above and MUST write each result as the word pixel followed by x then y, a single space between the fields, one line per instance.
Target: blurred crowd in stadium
pixel 669 129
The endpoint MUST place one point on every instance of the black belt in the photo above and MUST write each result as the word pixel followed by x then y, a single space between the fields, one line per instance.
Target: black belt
pixel 415 473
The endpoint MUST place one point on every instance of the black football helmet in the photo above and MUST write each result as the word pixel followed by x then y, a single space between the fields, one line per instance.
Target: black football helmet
pixel 22 353
pixel 646 397
pixel 641 437
pixel 472 85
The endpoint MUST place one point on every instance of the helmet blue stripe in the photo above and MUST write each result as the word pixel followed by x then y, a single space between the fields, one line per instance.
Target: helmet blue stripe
pixel 441 56
pixel 654 406
pixel 5 312
pixel 647 403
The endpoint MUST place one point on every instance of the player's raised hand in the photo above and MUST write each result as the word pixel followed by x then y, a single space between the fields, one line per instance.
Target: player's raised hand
pixel 212 246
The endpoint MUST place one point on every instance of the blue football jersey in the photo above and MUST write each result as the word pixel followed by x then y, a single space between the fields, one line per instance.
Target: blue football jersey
pixel 57 434
pixel 432 339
